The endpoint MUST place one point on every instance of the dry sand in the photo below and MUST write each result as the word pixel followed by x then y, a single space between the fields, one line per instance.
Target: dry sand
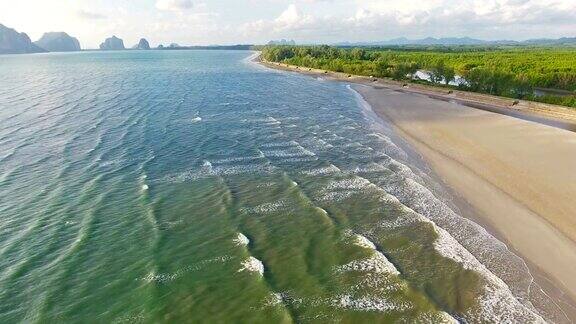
pixel 518 174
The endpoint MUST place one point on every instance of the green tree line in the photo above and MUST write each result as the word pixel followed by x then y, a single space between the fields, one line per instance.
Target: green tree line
pixel 510 72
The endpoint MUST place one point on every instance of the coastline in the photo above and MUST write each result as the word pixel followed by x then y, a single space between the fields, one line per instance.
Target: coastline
pixel 542 113
pixel 496 165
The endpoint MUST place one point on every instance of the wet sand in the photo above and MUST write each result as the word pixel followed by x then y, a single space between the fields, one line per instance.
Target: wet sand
pixel 518 175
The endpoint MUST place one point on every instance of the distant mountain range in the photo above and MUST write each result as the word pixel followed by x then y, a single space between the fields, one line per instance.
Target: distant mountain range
pixel 451 41
pixel 282 42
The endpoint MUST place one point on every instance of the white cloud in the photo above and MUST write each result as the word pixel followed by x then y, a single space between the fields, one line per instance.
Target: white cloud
pixel 384 19
pixel 174 5
pixel 290 15
pixel 289 20
pixel 292 18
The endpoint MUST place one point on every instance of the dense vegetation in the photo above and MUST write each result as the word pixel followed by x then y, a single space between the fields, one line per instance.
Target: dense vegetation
pixel 510 72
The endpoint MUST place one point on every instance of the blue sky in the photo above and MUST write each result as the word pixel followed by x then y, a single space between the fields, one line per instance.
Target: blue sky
pixel 319 21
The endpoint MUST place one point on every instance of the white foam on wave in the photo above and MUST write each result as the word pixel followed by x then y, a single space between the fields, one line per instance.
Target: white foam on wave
pixel 266 120
pixel 131 318
pixel 288 151
pixel 377 263
pixel 266 185
pixel 273 299
pixel 497 303
pixel 350 183
pixel 362 241
pixel 208 170
pixel 145 187
pixel 168 277
pixel 352 145
pixel 339 190
pixel 398 222
pixel 241 240
pixel 375 304
pixel 331 169
pixel 388 146
pixel 266 208
pixel 347 301
pixel 435 318
pixel 112 162
pixel 370 168
pixel 236 159
pixel 322 211
pixel 107 163
pixel 402 170
pixel 242 169
pixel 377 282
pixel 280 144
pixel 335 196
pixel 252 265
pixel 271 121
pixel 300 159
pixel 317 144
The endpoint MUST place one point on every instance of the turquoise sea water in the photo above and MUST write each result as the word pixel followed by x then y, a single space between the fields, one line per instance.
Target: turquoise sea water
pixel 196 186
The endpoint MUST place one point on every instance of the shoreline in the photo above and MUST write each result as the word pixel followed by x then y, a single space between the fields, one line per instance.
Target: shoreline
pixel 542 113
pixel 462 145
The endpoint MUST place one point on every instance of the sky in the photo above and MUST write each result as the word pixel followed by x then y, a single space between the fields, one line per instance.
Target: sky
pixel 205 22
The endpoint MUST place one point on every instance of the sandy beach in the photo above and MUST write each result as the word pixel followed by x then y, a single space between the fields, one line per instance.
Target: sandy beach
pixel 516 174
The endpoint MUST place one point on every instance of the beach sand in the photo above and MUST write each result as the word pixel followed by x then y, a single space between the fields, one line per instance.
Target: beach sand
pixel 518 176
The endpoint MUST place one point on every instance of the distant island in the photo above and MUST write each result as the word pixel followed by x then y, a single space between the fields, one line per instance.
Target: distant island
pixel 12 42
pixel 142 45
pixel 58 42
pixel 113 43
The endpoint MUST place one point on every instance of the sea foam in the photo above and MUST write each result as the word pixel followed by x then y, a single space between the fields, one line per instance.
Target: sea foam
pixel 252 265
pixel 241 239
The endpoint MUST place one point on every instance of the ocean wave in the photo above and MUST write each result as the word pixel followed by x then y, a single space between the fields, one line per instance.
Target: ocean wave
pixel 252 265
pixel 164 278
pixel 241 240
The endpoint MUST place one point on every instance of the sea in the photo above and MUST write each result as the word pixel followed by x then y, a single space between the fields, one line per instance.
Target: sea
pixel 201 187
